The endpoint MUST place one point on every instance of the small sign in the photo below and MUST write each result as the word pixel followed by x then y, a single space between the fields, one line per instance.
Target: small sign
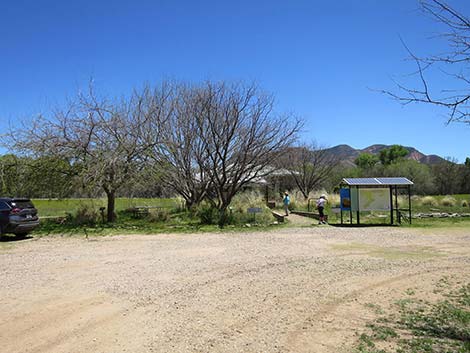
pixel 254 210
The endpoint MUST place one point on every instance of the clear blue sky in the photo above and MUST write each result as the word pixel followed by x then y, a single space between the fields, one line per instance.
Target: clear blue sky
pixel 321 59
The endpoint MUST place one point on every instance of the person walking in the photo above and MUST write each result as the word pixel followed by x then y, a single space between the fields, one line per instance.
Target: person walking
pixel 321 202
pixel 286 202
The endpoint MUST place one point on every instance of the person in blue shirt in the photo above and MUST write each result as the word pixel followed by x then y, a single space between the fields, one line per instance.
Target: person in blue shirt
pixel 286 202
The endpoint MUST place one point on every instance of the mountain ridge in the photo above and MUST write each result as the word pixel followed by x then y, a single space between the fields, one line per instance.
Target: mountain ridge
pixel 348 154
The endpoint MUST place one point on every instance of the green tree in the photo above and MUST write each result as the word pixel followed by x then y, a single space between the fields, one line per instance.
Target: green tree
pixel 35 177
pixel 465 174
pixel 366 160
pixel 419 173
pixel 446 175
pixel 50 177
pixel 393 154
pixel 12 175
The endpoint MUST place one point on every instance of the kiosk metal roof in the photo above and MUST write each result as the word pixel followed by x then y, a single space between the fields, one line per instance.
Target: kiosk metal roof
pixel 400 181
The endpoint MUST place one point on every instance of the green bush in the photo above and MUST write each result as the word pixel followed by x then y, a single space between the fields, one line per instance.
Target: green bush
pixel 464 203
pixel 207 214
pixel 85 215
pixel 449 201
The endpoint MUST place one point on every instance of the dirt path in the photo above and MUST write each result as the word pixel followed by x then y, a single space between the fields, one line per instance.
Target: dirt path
pixel 293 290
pixel 300 221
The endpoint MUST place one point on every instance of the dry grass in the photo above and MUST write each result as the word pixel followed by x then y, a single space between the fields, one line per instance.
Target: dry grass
pixel 429 201
pixel 449 201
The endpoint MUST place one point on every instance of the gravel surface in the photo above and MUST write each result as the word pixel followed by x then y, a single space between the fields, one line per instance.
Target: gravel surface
pixel 290 290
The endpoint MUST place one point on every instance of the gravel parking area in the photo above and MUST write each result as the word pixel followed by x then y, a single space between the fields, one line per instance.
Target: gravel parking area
pixel 289 290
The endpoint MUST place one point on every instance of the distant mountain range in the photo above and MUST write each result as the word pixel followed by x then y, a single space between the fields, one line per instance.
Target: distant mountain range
pixel 347 154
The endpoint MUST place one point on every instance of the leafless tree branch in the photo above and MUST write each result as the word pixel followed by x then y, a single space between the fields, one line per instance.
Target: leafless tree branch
pixel 455 64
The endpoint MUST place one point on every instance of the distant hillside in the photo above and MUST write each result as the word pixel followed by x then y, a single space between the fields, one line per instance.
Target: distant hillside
pixel 347 154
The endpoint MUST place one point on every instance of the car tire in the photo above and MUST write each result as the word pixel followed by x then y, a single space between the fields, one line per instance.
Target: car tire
pixel 21 235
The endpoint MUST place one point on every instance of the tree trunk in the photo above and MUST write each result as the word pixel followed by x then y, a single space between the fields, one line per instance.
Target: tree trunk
pixel 305 194
pixel 111 215
pixel 224 216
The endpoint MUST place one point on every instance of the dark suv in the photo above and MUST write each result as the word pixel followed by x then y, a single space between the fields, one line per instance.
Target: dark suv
pixel 17 216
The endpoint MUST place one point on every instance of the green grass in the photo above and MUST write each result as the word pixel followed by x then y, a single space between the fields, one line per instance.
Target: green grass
pixel 169 220
pixel 183 223
pixel 418 326
pixel 82 216
pixel 54 207
pixel 437 223
pixel 185 226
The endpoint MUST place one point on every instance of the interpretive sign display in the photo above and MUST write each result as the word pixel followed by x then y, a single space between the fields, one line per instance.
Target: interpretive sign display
pixel 345 199
pixel 374 199
pixel 374 194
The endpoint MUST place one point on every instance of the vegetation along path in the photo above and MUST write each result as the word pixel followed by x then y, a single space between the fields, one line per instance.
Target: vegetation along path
pixel 293 290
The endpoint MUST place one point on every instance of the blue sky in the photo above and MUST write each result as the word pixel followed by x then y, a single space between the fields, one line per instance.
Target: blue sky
pixel 322 60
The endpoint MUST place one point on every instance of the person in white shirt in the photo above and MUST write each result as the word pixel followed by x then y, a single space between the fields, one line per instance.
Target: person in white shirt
pixel 321 202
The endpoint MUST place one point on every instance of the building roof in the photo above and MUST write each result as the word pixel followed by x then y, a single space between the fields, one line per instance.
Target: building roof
pixel 400 181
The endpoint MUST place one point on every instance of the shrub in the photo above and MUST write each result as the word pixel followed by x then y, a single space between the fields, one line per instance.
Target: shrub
pixel 293 205
pixel 85 215
pixel 245 200
pixel 264 217
pixel 448 201
pixel 402 201
pixel 180 205
pixel 207 214
pixel 464 203
pixel 297 200
pixel 429 201
pixel 158 215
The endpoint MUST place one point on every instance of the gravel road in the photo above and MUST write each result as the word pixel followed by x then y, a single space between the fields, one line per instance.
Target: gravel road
pixel 289 290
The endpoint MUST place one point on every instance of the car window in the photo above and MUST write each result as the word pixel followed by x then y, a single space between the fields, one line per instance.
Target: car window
pixel 4 205
pixel 22 204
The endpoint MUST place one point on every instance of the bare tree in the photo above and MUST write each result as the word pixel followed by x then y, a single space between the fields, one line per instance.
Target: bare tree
pixel 310 166
pixel 106 139
pixel 453 64
pixel 241 137
pixel 181 155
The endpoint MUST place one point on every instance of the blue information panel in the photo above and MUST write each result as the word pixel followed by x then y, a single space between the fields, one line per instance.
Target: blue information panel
pixel 345 197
